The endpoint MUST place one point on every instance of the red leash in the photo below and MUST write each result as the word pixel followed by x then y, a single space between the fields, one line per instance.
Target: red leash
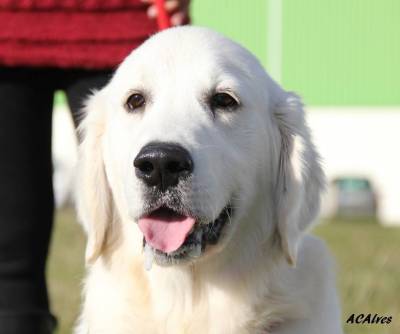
pixel 163 19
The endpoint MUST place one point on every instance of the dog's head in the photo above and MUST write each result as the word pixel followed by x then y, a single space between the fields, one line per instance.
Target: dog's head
pixel 192 147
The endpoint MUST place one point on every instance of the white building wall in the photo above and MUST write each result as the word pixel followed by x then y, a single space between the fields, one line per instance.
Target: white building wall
pixel 364 142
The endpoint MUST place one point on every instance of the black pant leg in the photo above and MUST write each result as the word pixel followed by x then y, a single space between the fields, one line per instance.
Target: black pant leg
pixel 26 201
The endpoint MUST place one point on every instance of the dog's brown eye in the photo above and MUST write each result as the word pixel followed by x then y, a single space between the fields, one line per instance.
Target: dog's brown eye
pixel 135 101
pixel 223 101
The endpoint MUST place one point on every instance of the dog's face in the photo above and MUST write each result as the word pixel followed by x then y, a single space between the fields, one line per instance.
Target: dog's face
pixel 191 134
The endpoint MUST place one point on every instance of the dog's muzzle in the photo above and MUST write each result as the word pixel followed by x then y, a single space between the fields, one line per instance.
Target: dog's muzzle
pixel 172 230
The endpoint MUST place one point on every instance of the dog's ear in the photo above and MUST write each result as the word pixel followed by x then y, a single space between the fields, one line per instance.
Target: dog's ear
pixel 93 192
pixel 300 178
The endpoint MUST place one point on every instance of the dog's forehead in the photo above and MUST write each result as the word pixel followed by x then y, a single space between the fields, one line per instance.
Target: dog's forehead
pixel 187 46
pixel 186 52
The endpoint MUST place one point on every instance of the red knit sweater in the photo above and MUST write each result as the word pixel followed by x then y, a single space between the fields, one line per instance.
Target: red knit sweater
pixel 95 34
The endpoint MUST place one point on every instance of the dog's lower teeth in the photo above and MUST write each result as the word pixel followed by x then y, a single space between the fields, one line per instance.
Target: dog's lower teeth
pixel 148 257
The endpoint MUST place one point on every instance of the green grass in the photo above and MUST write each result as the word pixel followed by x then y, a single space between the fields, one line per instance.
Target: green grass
pixel 368 271
pixel 65 270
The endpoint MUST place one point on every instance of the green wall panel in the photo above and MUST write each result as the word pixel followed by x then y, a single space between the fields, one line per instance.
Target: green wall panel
pixel 342 52
pixel 332 52
pixel 243 21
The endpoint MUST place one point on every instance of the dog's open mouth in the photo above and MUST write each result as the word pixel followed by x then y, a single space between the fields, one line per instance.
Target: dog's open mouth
pixel 172 236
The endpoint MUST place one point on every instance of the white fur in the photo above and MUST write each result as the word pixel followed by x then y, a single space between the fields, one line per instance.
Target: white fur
pixel 266 275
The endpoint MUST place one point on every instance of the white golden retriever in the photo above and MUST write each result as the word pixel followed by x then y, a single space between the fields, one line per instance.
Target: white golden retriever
pixel 198 167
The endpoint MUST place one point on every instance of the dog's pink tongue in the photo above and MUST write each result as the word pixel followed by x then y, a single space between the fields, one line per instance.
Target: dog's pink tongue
pixel 166 233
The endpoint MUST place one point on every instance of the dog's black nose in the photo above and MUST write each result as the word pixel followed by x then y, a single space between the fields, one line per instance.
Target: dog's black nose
pixel 163 165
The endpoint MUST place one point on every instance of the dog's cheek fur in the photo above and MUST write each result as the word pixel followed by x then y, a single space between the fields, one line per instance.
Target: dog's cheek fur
pixel 226 167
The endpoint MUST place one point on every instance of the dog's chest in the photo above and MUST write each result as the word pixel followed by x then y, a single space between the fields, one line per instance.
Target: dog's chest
pixel 209 310
pixel 233 319
pixel 208 317
pixel 170 305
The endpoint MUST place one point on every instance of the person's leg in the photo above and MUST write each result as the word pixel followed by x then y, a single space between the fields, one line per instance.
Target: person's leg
pixel 26 201
pixel 80 85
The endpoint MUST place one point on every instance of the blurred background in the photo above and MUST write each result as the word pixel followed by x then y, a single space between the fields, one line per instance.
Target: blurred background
pixel 343 58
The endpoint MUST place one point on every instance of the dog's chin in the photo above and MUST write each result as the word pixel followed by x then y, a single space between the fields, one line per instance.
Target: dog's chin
pixel 202 236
